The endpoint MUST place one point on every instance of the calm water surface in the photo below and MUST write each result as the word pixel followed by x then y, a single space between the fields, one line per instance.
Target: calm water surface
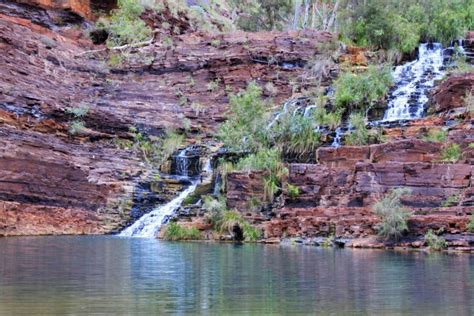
pixel 117 276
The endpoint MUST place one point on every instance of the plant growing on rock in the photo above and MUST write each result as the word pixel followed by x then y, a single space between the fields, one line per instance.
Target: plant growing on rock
pixel 436 135
pixel 451 153
pixel 293 191
pixel 451 201
pixel 393 217
pixel 469 102
pixel 361 91
pixel 243 130
pixel 268 160
pixel 359 134
pixel 77 124
pixel 232 219
pixel 470 224
pixel 434 242
pixel 125 26
pixel 176 232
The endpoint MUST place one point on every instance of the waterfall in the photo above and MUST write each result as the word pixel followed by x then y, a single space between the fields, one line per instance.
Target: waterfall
pixel 413 82
pixel 149 225
pixel 182 163
pixel 338 138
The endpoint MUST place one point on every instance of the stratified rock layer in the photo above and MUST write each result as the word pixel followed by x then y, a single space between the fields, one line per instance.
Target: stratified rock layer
pixel 55 183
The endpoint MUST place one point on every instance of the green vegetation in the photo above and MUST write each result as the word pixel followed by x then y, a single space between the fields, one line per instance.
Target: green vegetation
pixel 293 191
pixel 469 102
pixel 330 119
pixel 362 90
pixel 268 160
pixel 436 135
pixel 125 25
pixel 451 153
pixel 452 200
pixel 77 114
pixel 156 150
pixel 402 24
pixel 359 134
pixel 176 232
pixel 392 215
pixel 434 242
pixel 230 219
pixel 470 224
pixel 243 129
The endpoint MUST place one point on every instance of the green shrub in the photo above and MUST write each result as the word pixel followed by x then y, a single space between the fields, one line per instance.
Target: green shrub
pixel 293 191
pixel 230 219
pixel 470 224
pixel 469 102
pixel 125 25
pixel 435 242
pixel 251 233
pixel 451 153
pixel 361 91
pixel 214 208
pixel 393 217
pixel 76 127
pixel 451 201
pixel 436 135
pixel 156 150
pixel 295 136
pixel 244 129
pixel 175 232
pixel 78 112
pixel 359 135
pixel 268 160
pixel 323 118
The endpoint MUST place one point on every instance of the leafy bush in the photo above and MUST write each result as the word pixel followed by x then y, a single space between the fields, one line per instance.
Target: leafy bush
pixel 76 127
pixel 470 224
pixel 361 91
pixel 323 118
pixel 175 232
pixel 268 160
pixel 293 191
pixel 436 135
pixel 230 219
pixel 125 25
pixel 393 217
pixel 451 201
pixel 295 136
pixel 359 135
pixel 435 242
pixel 78 112
pixel 156 150
pixel 451 153
pixel 244 131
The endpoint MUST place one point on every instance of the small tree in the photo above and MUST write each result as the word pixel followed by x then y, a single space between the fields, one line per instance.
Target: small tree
pixel 392 215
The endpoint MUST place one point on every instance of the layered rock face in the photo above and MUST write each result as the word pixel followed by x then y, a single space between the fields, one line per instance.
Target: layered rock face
pixel 336 195
pixel 52 182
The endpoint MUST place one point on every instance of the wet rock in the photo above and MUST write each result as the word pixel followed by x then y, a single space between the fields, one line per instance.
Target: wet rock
pixel 451 92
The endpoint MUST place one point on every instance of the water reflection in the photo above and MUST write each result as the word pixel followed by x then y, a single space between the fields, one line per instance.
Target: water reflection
pixel 109 275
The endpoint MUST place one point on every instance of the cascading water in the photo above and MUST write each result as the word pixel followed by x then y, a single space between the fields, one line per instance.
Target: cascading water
pixel 149 225
pixel 337 142
pixel 413 82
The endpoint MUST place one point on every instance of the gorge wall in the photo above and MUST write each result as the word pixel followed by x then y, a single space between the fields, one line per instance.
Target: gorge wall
pixel 52 182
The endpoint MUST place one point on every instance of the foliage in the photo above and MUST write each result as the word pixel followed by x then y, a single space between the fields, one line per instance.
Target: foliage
pixel 362 90
pixel 262 15
pixel 212 86
pixel 175 232
pixel 451 153
pixel 330 119
pixel 243 130
pixel 268 160
pixel 359 134
pixel 230 219
pixel 470 224
pixel 214 208
pixel 156 150
pixel 435 242
pixel 296 136
pixel 393 217
pixel 125 25
pixel 328 242
pixel 403 24
pixel 76 127
pixel 78 112
pixel 436 135
pixel 293 191
pixel 469 102
pixel 452 200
